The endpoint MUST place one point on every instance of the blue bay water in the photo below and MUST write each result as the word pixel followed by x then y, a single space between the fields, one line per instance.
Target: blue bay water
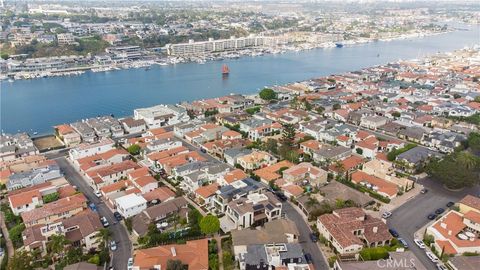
pixel 39 104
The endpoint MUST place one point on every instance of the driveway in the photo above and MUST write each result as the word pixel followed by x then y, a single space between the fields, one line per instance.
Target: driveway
pixel 119 232
pixel 304 239
pixel 412 216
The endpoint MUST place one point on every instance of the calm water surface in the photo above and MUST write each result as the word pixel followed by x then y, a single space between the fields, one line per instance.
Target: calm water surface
pixel 37 105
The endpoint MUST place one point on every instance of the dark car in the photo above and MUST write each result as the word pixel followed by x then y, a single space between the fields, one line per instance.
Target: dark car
pixel 117 216
pixel 450 204
pixel 394 233
pixel 308 257
pixel 423 191
pixel 313 237
pixel 439 211
pixel 431 216
pixel 281 196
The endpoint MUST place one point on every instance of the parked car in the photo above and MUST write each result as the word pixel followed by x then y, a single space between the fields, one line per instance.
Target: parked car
pixel 93 207
pixel 281 196
pixel 386 214
pixel 419 243
pixel 394 232
pixel 104 222
pixel 113 245
pixel 423 191
pixel 441 266
pixel 313 237
pixel 117 216
pixel 403 242
pixel 432 216
pixel 432 257
pixel 450 204
pixel 130 263
pixel 439 211
pixel 308 257
pixel 98 194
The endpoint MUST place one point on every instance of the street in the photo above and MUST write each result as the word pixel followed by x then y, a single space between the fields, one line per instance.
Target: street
pixel 304 237
pixel 412 216
pixel 119 232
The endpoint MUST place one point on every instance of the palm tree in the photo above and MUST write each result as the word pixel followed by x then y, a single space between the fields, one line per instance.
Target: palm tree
pixel 468 160
pixel 56 245
pixel 105 236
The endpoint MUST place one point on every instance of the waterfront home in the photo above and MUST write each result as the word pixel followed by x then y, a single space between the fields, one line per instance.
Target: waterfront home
pixel 349 230
pixel 91 149
pixel 253 210
pixel 34 176
pixel 130 205
pixel 158 213
pixel 105 126
pixel 15 146
pixel 86 132
pixel 161 115
pixel 54 211
pixel 457 231
pixel 193 253
pixel 68 135
pixel 133 126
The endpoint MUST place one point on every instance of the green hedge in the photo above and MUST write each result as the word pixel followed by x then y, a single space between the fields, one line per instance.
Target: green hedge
pixel 373 254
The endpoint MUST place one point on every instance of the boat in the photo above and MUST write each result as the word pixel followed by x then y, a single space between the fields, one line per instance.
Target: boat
pixel 339 45
pixel 225 70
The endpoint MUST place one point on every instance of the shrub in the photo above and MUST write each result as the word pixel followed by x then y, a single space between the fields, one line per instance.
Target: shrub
pixel 373 254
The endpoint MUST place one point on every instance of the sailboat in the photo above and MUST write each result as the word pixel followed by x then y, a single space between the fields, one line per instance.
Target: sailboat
pixel 225 70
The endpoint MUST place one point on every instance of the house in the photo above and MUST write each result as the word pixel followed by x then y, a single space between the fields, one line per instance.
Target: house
pixel 161 115
pixel 272 172
pixel 85 131
pixel 330 153
pixel 255 160
pixel 130 205
pixel 235 190
pixel 373 121
pixel 464 262
pixel 253 210
pixel 33 177
pixel 132 126
pixel 273 256
pixel 110 174
pixel 232 176
pixel 458 232
pixel 27 199
pixel 231 155
pixel 158 213
pixel 51 212
pixel 104 159
pixel 204 195
pixel 335 190
pixel 91 149
pixel 305 172
pixel 413 134
pixel 380 186
pixel 385 170
pixel 415 158
pixel 193 253
pixel 68 135
pixel 350 229
pixel 275 231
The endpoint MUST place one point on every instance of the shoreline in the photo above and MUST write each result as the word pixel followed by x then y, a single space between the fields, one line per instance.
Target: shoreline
pixel 202 59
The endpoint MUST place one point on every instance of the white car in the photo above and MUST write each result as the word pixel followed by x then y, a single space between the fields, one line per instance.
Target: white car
pixel 441 266
pixel 419 243
pixel 386 215
pixel 130 263
pixel 113 245
pixel 98 194
pixel 432 257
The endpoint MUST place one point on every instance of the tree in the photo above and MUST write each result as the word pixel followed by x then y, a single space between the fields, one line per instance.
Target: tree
pixel 396 114
pixel 50 197
pixel 56 245
pixel 21 260
pixel 336 106
pixel 175 265
pixel 267 94
pixel 477 98
pixel 456 170
pixel 5 56
pixel 359 151
pixel 209 224
pixel 271 146
pixel 134 149
pixel 15 234
pixel 288 135
pixel 320 109
pixel 105 235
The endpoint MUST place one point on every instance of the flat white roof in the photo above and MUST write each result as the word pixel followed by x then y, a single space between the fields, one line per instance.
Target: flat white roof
pixel 130 200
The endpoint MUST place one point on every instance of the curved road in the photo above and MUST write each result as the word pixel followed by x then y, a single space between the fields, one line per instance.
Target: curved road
pixel 119 232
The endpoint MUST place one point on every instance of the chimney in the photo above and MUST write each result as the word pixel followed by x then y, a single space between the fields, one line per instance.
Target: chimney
pixel 375 229
pixel 450 232
pixel 174 252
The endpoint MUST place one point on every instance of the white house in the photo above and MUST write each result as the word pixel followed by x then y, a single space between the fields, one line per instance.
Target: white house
pixel 87 149
pixel 130 205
